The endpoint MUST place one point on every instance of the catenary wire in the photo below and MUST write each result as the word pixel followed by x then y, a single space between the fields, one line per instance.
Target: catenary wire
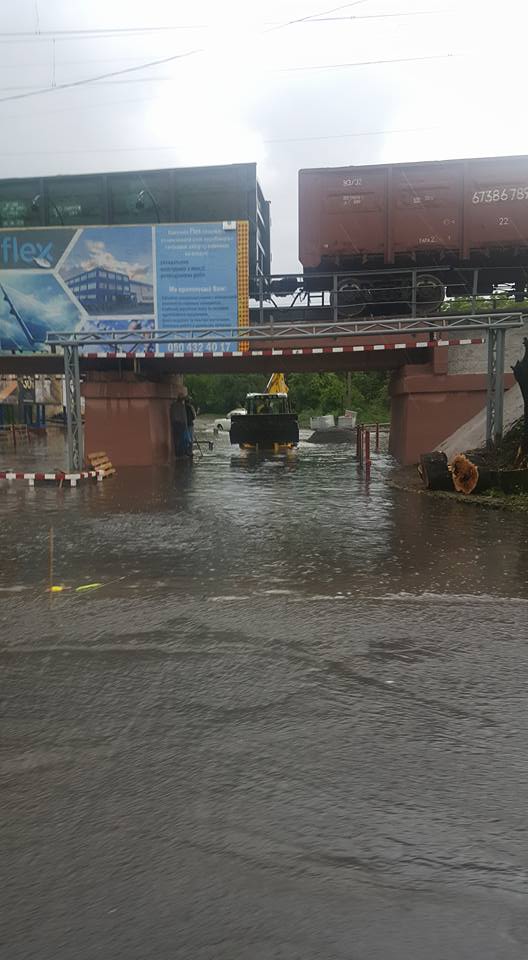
pixel 9 36
pixel 274 140
pixel 305 68
pixel 102 76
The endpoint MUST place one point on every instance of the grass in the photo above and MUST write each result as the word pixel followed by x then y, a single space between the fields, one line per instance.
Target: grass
pixel 503 457
pixel 506 455
pixel 509 501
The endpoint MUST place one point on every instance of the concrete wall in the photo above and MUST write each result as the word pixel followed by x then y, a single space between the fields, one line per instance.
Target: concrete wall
pixel 463 360
pixel 426 407
pixel 431 402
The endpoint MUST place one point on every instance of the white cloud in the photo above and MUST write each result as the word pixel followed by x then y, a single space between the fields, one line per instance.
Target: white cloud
pixel 99 256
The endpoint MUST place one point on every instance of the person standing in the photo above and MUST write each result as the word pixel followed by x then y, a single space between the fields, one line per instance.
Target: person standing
pixel 178 420
pixel 190 414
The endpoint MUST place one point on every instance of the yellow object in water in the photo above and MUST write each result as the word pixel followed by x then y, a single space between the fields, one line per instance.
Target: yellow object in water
pixel 56 589
pixel 88 586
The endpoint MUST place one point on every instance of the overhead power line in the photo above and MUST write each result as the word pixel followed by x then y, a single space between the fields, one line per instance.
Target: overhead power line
pixel 102 76
pixel 97 33
pixel 311 16
pixel 276 140
pixel 363 63
pixel 345 136
pixel 8 36
pixel 379 16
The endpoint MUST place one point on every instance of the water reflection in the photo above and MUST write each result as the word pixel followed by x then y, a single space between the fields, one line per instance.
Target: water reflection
pixel 307 516
pixel 298 697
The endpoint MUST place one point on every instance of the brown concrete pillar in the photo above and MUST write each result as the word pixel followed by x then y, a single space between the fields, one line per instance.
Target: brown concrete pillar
pixel 127 416
pixel 428 406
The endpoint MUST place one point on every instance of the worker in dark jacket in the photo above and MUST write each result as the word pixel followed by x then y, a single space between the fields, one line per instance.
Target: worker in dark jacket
pixel 178 420
pixel 190 414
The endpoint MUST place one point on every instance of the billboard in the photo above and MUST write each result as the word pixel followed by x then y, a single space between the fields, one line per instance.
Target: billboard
pixel 131 278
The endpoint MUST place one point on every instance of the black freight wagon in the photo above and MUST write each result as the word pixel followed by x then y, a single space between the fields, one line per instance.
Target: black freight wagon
pixel 179 195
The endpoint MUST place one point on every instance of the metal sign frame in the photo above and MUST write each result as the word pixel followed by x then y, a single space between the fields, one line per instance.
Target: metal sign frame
pixel 298 330
pixel 495 394
pixel 74 427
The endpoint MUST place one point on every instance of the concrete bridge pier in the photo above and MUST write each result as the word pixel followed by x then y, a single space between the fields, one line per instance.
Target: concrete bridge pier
pixel 430 402
pixel 427 407
pixel 127 416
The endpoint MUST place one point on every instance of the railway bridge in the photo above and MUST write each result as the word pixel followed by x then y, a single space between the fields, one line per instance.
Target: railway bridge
pixel 444 368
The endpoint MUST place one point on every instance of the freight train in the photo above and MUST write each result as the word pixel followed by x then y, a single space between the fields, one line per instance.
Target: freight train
pixel 382 239
pixel 374 226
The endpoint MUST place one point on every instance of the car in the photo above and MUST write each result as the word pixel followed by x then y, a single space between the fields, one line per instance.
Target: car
pixel 224 423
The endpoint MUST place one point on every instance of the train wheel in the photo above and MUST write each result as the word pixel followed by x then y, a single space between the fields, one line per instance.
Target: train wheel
pixel 430 294
pixel 351 298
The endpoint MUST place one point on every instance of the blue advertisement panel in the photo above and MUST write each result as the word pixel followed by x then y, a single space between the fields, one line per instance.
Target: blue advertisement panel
pixel 106 278
pixel 196 275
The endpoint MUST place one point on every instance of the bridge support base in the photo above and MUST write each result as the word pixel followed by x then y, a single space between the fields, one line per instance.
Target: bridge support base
pixel 128 417
pixel 428 406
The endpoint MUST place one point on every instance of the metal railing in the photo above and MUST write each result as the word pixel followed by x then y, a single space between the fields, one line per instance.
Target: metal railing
pixel 390 290
pixel 295 330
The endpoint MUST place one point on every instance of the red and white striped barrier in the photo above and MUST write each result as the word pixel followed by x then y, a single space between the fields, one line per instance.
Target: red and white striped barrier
pixel 58 477
pixel 289 351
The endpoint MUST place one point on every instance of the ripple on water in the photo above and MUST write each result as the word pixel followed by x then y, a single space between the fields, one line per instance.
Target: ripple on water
pixel 290 680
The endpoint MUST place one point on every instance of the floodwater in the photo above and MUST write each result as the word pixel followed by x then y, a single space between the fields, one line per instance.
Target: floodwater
pixel 292 722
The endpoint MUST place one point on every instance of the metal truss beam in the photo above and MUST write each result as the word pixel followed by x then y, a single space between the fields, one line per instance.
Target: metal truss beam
pixel 299 330
pixel 72 385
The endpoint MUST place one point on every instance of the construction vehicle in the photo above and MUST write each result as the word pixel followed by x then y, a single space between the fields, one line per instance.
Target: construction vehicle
pixel 268 422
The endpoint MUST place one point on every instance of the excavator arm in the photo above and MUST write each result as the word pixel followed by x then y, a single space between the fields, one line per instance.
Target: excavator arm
pixel 277 384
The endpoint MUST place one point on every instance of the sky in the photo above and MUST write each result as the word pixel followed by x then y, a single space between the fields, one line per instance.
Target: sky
pixel 289 84
pixel 123 249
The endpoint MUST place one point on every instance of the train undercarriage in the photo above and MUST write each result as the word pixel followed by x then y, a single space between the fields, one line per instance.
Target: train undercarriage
pixel 416 291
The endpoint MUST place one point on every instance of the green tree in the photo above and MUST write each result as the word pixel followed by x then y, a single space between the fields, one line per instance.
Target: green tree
pixel 310 393
pixel 315 393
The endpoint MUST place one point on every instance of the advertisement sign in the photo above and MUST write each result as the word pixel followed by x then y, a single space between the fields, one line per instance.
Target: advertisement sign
pixel 196 271
pixel 130 278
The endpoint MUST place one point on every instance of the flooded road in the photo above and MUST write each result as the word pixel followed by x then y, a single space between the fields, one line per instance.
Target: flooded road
pixel 292 723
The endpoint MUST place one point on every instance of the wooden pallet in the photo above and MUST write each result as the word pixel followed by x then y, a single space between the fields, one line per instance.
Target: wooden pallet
pixel 99 461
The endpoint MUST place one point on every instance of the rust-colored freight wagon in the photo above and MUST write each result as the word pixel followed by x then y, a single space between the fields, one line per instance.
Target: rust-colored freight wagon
pixel 454 214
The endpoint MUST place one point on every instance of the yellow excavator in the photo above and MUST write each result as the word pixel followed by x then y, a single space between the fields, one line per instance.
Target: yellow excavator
pixel 268 421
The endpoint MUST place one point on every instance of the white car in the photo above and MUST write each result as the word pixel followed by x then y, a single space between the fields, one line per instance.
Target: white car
pixel 224 423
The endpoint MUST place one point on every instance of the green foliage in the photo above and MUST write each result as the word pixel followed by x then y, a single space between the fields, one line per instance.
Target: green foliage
pixel 310 393
pixel 367 393
pixel 463 305
pixel 219 393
